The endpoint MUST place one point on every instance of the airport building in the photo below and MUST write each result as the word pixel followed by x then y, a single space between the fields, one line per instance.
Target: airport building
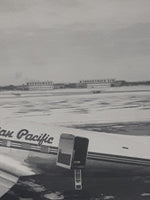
pixel 97 83
pixel 40 85
pixel 59 85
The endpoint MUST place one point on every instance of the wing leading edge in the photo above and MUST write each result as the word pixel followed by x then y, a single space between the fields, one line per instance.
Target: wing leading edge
pixel 7 181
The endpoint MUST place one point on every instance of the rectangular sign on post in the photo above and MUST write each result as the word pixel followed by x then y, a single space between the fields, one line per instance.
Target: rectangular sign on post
pixel 72 151
pixel 65 151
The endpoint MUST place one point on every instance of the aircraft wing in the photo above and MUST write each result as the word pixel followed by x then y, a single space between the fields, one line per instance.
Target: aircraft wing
pixel 7 181
pixel 10 171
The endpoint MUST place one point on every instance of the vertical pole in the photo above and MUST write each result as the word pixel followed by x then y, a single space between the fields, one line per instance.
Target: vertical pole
pixel 78 179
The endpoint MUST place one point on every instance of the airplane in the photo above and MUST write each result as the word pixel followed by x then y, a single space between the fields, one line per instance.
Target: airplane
pixel 29 148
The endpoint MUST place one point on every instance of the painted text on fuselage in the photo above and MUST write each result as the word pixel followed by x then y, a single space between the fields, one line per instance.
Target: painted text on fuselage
pixel 24 134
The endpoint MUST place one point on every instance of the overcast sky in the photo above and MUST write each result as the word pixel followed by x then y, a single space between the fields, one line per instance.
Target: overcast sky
pixel 71 40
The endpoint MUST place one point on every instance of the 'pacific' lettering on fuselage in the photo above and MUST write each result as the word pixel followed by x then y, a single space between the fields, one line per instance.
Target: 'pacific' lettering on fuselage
pixel 24 134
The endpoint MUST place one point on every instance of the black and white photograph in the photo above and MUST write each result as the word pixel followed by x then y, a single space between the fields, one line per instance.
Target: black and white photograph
pixel 74 100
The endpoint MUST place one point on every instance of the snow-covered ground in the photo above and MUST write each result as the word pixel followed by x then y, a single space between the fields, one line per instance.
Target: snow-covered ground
pixel 76 106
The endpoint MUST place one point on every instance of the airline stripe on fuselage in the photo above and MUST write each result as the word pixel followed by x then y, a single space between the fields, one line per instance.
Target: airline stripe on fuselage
pixel 28 146
pixel 90 156
pixel 118 159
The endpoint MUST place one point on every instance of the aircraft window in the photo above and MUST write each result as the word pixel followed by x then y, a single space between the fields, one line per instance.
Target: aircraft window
pixel 125 147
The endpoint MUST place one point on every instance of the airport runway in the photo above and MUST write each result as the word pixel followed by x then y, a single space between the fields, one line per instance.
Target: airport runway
pixel 118 113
